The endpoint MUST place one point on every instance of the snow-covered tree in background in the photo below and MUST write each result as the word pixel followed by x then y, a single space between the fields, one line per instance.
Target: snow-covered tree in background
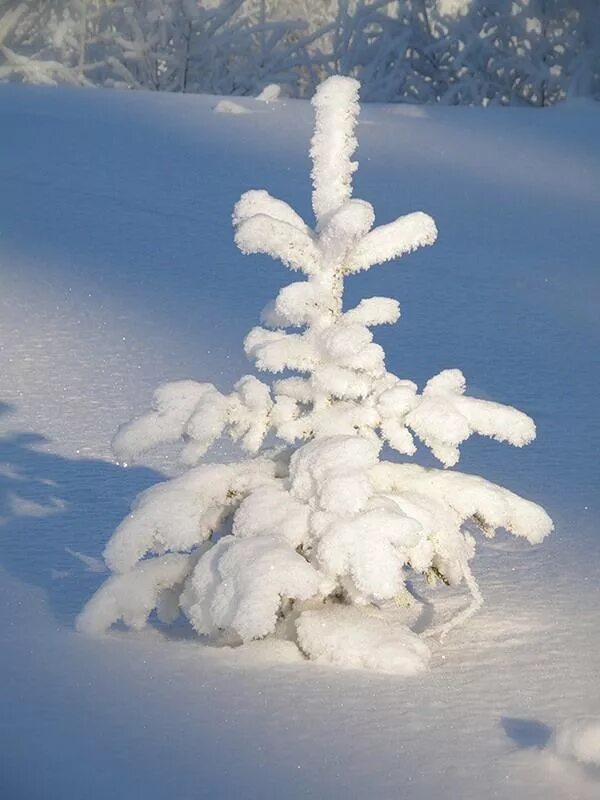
pixel 44 42
pixel 471 52
pixel 185 46
pixel 312 540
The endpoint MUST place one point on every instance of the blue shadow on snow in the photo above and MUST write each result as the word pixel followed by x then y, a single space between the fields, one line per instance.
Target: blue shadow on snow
pixel 56 515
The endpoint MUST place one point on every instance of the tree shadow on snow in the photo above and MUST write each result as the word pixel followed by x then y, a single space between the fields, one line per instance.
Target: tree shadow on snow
pixel 526 733
pixel 56 515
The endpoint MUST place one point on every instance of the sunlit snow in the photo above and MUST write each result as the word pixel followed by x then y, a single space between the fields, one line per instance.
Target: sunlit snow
pixel 119 274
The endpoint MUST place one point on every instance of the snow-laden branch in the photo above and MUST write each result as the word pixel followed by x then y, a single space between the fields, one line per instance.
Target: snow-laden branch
pixel 469 496
pixel 180 514
pixel 296 304
pixel 239 584
pixel 343 229
pixel 374 311
pixel 270 510
pixel 371 549
pixel 275 351
pixel 198 414
pixel 10 19
pixel 294 247
pixel 48 72
pixel 249 413
pixel 258 201
pixel 333 145
pixel 444 417
pixel 172 406
pixel 131 597
pixel 391 241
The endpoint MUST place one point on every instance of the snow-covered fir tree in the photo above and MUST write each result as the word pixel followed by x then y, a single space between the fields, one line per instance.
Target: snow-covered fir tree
pixel 311 537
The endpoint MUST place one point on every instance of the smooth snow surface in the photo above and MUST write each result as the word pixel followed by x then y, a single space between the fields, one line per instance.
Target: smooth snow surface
pixel 118 274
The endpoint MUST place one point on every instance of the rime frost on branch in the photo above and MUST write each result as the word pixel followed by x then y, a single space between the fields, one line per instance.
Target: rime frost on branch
pixel 313 540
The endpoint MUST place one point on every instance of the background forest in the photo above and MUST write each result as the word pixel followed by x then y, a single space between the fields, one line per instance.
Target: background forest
pixel 471 52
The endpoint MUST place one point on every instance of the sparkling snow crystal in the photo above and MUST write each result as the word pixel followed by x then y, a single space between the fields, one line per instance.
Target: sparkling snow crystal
pixel 312 541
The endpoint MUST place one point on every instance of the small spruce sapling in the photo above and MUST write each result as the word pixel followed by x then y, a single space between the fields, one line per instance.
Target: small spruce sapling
pixel 312 541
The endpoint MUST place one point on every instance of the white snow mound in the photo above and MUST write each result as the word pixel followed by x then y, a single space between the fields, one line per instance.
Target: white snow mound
pixel 230 107
pixel 270 93
pixel 358 638
pixel 579 739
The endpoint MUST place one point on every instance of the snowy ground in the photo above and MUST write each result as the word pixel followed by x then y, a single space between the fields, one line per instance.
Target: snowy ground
pixel 118 271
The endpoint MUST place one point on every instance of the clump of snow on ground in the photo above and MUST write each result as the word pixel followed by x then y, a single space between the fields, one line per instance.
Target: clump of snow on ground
pixel 270 93
pixel 230 107
pixel 580 740
pixel 361 638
